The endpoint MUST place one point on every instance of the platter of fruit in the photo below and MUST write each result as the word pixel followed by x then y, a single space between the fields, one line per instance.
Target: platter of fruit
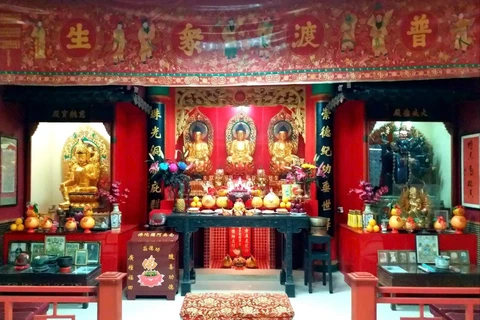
pixel 297 206
pixel 373 226
pixel 17 225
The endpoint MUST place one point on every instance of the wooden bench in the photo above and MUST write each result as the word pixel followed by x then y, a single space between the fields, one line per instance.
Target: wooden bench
pixel 236 306
pixel 25 310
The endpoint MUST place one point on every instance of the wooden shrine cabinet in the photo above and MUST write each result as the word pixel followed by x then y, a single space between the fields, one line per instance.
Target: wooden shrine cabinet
pixel 152 264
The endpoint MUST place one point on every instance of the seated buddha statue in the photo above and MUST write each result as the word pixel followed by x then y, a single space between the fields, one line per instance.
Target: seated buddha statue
pixel 198 152
pixel 282 150
pixel 82 178
pixel 240 151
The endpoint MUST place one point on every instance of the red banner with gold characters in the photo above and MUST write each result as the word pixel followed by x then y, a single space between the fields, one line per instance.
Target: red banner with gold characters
pixel 240 242
pixel 471 170
pixel 212 42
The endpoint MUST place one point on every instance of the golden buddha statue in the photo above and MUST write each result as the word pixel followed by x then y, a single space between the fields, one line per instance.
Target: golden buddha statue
pixel 282 150
pixel 240 151
pixel 416 204
pixel 198 152
pixel 80 187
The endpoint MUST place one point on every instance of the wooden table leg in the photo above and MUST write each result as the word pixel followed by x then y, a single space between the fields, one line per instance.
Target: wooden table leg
pixel 289 283
pixel 185 284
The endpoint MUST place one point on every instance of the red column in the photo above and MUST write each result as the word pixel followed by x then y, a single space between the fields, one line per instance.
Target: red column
pixel 364 295
pixel 110 296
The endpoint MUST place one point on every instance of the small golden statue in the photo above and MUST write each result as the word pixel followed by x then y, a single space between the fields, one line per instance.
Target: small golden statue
pixel 415 204
pixel 282 143
pixel 198 152
pixel 240 150
pixel 198 141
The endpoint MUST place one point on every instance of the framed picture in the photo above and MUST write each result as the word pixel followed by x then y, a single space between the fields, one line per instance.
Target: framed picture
pixel 412 257
pixel 36 249
pixel 403 257
pixel 102 221
pixel 8 171
pixel 392 257
pixel 464 257
pixel 81 257
pixel 55 245
pixel 93 249
pixel 382 257
pixel 71 247
pixel 470 166
pixel 15 249
pixel 445 213
pixel 426 247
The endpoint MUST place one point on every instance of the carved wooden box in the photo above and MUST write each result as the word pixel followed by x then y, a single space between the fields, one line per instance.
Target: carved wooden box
pixel 152 264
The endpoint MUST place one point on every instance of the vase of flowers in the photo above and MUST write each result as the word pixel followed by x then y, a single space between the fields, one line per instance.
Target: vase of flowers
pixel 115 195
pixel 304 175
pixel 369 195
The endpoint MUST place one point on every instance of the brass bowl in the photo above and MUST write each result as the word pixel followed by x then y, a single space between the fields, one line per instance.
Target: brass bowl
pixel 319 221
pixel 318 231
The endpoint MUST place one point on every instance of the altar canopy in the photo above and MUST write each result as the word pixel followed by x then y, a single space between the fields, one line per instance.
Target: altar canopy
pixel 221 43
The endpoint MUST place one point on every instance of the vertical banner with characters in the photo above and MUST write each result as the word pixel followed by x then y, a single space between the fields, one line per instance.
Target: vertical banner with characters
pixel 240 239
pixel 156 144
pixel 324 151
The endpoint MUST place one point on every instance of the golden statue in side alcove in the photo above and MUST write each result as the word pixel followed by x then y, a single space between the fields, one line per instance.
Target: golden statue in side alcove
pixel 198 140
pixel 240 137
pixel 86 157
pixel 282 143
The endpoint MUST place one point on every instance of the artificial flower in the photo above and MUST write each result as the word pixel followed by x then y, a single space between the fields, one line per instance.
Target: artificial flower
pixel 173 167
pixel 182 166
pixel 368 193
pixel 164 166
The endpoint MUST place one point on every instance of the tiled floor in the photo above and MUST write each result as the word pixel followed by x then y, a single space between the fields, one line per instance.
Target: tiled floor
pixel 325 306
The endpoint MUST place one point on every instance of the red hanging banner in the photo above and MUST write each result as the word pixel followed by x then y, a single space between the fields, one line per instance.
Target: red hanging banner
pixel 194 43
pixel 240 239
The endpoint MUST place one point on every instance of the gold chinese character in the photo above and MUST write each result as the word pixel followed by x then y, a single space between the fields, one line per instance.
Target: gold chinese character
pixel 145 248
pixel 158 234
pixel 189 40
pixel 327 205
pixel 73 114
pixel 326 132
pixel 170 287
pixel 156 151
pixel 64 113
pixel 305 35
pixel 397 113
pixel 171 257
pixel 326 150
pixel 155 188
pixel 170 266
pixel 155 133
pixel 130 287
pixel 81 114
pixel 155 204
pixel 130 277
pixel 56 114
pixel 151 248
pixel 326 187
pixel 415 113
pixel 165 235
pixel 130 267
pixel 406 113
pixel 78 38
pixel 419 30
pixel 327 169
pixel 130 257
pixel 140 234
pixel 157 249
pixel 171 277
pixel 146 234
pixel 155 114
pixel 424 113
pixel 326 114
pixel 171 235
pixel 152 234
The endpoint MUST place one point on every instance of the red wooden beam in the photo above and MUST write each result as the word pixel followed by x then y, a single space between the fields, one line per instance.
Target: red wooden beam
pixel 431 290
pixel 47 289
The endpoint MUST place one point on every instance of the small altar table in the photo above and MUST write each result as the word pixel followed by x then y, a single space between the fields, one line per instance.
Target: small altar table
pixel 188 223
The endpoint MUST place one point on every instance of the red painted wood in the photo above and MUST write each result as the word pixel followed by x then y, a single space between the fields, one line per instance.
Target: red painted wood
pixel 363 286
pixel 170 125
pixel 358 250
pixel 113 244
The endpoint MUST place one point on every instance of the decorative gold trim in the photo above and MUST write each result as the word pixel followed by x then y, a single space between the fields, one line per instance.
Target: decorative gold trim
pixel 291 97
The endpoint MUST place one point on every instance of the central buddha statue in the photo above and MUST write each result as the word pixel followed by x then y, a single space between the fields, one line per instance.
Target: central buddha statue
pixel 198 152
pixel 282 151
pixel 240 151
pixel 83 176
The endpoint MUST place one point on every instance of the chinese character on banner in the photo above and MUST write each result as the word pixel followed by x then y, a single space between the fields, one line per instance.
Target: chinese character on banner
pixel 78 37
pixel 471 170
pixel 305 35
pixel 187 39
pixel 419 31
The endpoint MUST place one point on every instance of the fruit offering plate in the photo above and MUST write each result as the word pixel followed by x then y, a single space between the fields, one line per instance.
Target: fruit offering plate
pixel 282 211
pixel 207 211
pixel 298 213
pixel 268 212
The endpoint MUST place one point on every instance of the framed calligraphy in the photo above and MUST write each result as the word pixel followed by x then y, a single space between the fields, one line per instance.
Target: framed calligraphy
pixel 8 172
pixel 470 161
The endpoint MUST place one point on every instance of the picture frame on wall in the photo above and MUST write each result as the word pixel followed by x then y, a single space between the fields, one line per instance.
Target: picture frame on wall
pixel 8 171
pixel 15 249
pixel 37 249
pixel 102 221
pixel 93 249
pixel 71 248
pixel 81 257
pixel 427 249
pixel 382 257
pixel 470 170
pixel 55 245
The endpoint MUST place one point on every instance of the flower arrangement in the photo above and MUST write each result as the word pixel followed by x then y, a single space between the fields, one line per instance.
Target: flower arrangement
pixel 368 193
pixel 114 194
pixel 170 173
pixel 305 173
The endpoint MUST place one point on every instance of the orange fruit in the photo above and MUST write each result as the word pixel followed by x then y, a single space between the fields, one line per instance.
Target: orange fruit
pixel 20 227
pixel 376 228
pixel 282 204
pixel 13 227
pixel 19 221
pixel 372 222
pixel 369 228
pixel 193 204
pixel 196 199
pixel 288 205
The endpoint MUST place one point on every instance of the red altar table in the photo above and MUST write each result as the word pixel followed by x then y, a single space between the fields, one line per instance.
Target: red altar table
pixel 113 244
pixel 358 250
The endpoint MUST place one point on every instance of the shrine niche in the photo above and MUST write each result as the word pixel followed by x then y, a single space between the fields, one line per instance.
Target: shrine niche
pixel 240 138
pixel 282 143
pixel 198 140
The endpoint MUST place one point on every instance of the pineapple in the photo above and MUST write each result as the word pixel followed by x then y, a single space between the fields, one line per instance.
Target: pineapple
pixel 180 205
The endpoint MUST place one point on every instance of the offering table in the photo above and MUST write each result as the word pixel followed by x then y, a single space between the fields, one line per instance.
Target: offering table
pixel 187 223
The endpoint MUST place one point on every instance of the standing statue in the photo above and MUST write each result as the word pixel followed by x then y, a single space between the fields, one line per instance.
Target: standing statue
pixel 240 151
pixel 83 176
pixel 198 152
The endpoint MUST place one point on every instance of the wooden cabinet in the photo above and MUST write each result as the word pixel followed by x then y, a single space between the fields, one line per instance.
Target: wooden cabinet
pixel 152 264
